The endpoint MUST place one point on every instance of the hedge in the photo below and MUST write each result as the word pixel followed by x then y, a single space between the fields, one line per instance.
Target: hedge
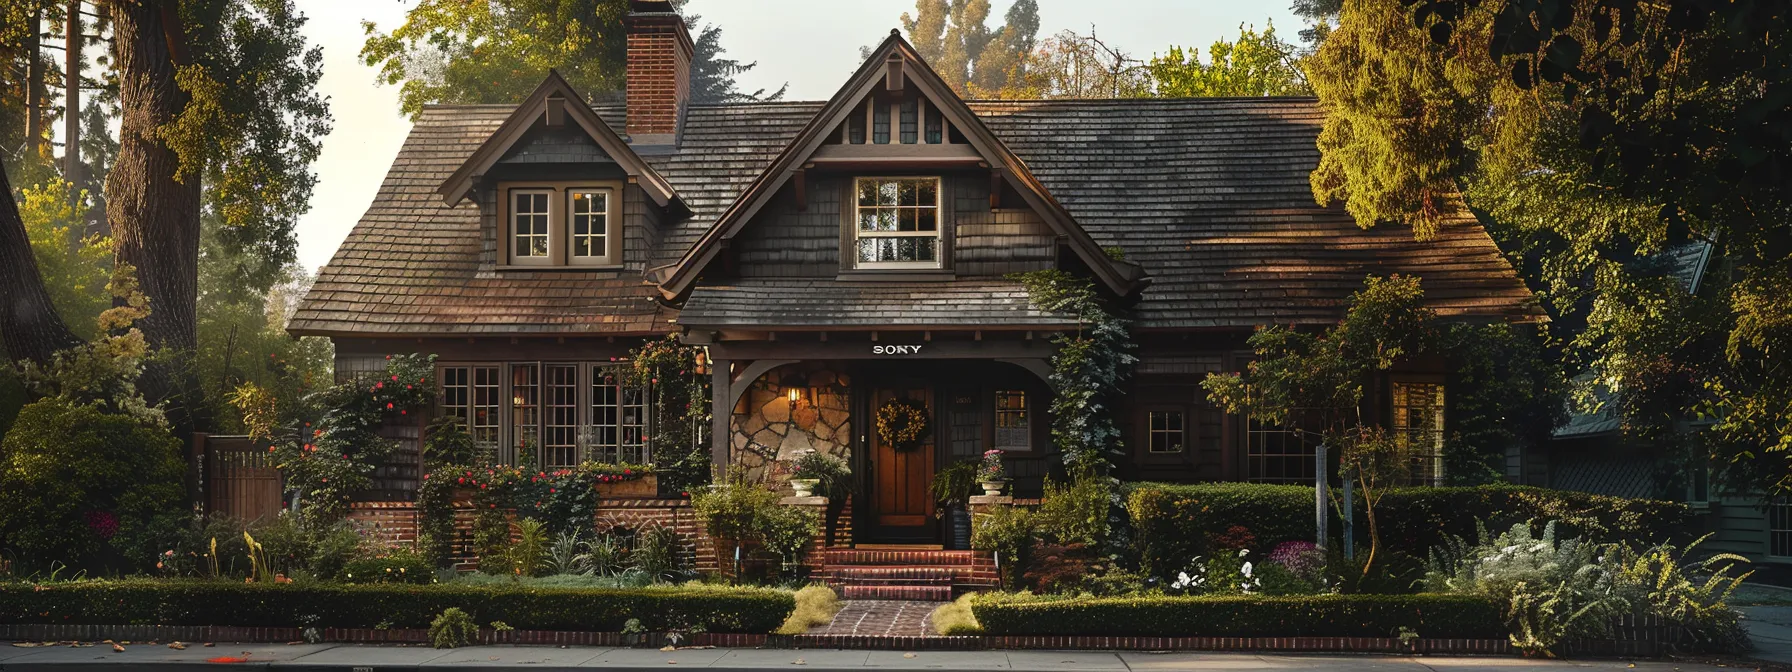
pixel 194 602
pixel 1177 522
pixel 1429 615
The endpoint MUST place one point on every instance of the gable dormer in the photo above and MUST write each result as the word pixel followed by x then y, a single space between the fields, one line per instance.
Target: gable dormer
pixel 558 189
pixel 894 177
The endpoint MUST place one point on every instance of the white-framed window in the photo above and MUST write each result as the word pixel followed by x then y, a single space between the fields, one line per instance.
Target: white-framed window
pixel 1418 428
pixel 1014 426
pixel 531 226
pixel 896 222
pixel 561 224
pixel 1779 529
pixel 589 228
pixel 1167 430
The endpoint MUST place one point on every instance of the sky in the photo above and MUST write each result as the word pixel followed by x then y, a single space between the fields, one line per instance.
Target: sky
pixel 813 45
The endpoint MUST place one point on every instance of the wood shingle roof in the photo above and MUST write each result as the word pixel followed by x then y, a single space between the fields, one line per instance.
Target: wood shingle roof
pixel 1209 196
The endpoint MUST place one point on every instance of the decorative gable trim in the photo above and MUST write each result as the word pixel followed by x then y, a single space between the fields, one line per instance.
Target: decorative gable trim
pixel 881 70
pixel 555 102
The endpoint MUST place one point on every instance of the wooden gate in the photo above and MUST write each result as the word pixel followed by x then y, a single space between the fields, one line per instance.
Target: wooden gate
pixel 240 478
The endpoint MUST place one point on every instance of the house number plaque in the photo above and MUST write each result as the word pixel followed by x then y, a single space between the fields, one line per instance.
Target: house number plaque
pixel 895 349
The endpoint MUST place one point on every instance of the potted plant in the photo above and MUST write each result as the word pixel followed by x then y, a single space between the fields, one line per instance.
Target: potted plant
pixel 818 473
pixel 991 473
pixel 953 487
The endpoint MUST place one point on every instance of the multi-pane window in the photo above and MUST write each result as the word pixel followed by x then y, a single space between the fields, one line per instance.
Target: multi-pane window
pixel 1014 428
pixel 471 394
pixel 525 412
pixel 618 429
pixel 529 219
pixel 1779 528
pixel 897 223
pixel 588 223
pixel 880 123
pixel 935 125
pixel 1418 428
pixel 909 120
pixel 1168 431
pixel 1278 454
pixel 559 441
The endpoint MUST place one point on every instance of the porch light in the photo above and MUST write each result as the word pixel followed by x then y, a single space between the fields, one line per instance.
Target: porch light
pixel 797 390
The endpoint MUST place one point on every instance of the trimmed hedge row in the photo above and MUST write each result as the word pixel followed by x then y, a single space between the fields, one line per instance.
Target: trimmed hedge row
pixel 1176 522
pixel 142 601
pixel 1429 615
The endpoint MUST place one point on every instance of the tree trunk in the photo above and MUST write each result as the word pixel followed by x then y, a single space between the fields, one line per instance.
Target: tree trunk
pixel 71 99
pixel 29 325
pixel 153 216
pixel 34 87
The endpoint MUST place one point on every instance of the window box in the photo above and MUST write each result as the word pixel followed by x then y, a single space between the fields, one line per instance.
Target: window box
pixel 644 487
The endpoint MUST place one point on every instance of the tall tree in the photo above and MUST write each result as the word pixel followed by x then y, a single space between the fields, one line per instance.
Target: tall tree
pixel 1258 64
pixel 955 39
pixel 449 51
pixel 1596 134
pixel 29 325
pixel 1069 65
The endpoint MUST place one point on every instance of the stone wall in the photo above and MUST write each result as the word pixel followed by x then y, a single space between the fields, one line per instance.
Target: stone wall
pixel 768 430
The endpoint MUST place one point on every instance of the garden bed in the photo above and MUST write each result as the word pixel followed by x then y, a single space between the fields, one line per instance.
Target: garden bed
pixel 215 603
pixel 1314 616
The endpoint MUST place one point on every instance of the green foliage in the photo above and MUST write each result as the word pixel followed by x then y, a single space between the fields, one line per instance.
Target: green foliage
pixel 1257 64
pixel 1075 513
pixel 1561 590
pixel 1598 138
pixel 788 531
pixel 816 606
pixel 1174 523
pixel 524 607
pixel 528 552
pixel 389 565
pixel 681 411
pixel 103 372
pixel 1421 518
pixel 736 509
pixel 833 476
pixel 1442 616
pixel 954 619
pixel 955 484
pixel 251 128
pixel 1088 369
pixel 452 629
pixel 1505 391
pixel 74 265
pixel 88 488
pixel 1008 532
pixel 334 455
pixel 971 58
pixel 658 553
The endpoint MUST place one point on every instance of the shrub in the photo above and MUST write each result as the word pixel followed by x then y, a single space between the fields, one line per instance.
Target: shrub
pixel 530 551
pixel 1443 616
pixel 527 607
pixel 88 488
pixel 1077 513
pixel 1173 523
pixel 815 606
pixel 1007 531
pixel 788 530
pixel 1417 519
pixel 658 553
pixel 954 485
pixel 734 510
pixel 954 619
pixel 390 566
pixel 453 629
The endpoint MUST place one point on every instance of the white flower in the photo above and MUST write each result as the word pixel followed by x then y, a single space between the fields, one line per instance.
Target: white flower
pixel 1247 570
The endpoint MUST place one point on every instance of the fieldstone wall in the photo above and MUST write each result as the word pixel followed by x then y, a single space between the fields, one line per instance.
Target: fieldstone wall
pixel 768 431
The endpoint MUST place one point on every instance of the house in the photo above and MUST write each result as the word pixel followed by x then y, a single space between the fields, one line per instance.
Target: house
pixel 835 256
pixel 1591 453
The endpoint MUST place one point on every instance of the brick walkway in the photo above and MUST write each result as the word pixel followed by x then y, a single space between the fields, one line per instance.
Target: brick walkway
pixel 897 618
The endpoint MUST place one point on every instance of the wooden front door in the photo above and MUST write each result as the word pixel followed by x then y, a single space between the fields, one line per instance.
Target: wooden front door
pixel 902 509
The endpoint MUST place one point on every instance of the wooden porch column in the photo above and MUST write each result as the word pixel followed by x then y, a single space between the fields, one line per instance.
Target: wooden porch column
pixel 721 376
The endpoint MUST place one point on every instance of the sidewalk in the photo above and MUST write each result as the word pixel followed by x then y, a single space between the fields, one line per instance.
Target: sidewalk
pixel 367 658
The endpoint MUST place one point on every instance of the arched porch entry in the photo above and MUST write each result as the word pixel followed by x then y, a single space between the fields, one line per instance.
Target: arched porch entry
pixel 770 408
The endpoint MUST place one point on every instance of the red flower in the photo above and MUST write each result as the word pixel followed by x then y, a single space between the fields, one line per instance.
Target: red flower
pixel 378 385
pixel 550 491
pixel 395 379
pixel 388 406
pixel 460 480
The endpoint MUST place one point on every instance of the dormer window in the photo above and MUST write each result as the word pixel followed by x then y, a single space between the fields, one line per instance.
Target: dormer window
pixel 897 222
pixel 562 224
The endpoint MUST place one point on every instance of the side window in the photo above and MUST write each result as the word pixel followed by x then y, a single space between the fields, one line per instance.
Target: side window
pixel 1014 424
pixel 530 241
pixel 1167 431
pixel 1418 428
pixel 590 224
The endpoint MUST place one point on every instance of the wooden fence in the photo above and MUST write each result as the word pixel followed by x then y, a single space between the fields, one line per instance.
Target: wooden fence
pixel 237 477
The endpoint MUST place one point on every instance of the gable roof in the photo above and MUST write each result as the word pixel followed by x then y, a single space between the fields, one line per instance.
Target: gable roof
pixel 675 279
pixel 555 91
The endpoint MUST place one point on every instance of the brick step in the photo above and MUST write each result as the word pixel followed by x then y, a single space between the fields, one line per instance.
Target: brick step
pixel 853 556
pixel 922 593
pixel 891 572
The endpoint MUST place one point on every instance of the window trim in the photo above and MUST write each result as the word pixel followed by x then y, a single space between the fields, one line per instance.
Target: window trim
pixel 1150 432
pixel 509 432
pixel 560 225
pixel 1767 524
pixel 1437 475
pixel 1027 410
pixel 850 235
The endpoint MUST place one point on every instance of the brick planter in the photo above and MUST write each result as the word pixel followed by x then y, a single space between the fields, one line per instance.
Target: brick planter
pixel 645 487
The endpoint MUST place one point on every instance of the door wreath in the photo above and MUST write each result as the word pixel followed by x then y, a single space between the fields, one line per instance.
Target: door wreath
pixel 901 423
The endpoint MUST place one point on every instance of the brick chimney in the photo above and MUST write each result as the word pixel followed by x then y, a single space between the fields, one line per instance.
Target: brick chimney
pixel 659 71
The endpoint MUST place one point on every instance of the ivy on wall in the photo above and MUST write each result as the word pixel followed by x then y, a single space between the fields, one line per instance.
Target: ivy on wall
pixel 1087 371
pixel 680 410
pixel 333 454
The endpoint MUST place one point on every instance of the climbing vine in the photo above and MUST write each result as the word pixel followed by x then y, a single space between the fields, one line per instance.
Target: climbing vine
pixel 333 452
pixel 675 373
pixel 1087 370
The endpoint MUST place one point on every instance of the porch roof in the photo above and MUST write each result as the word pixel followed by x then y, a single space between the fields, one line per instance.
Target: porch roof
pixel 815 303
